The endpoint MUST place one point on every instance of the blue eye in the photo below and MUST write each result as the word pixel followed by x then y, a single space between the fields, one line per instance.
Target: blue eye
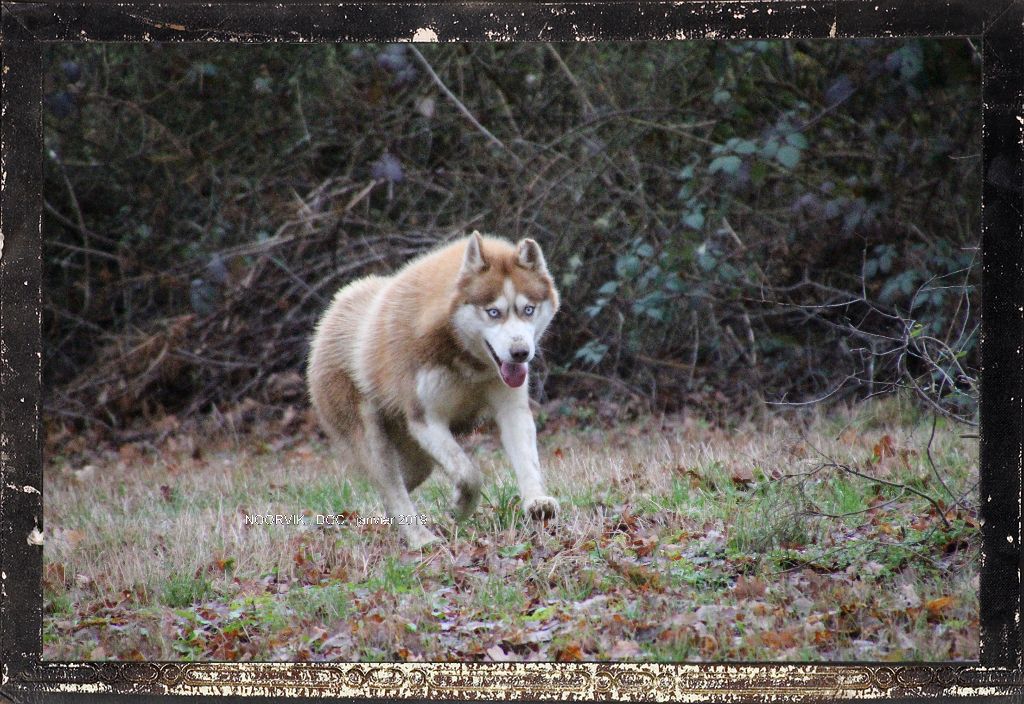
pixel 494 312
pixel 528 310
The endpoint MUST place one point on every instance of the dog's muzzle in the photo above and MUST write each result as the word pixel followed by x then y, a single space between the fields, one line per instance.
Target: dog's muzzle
pixel 514 372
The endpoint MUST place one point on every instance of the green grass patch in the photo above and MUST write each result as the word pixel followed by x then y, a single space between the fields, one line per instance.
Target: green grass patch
pixel 183 590
pixel 326 497
pixel 497 598
pixel 57 604
pixel 684 573
pixel 395 577
pixel 503 508
pixel 321 602
pixel 769 518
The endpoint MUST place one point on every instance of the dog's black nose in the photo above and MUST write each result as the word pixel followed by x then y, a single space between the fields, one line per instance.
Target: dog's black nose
pixel 519 355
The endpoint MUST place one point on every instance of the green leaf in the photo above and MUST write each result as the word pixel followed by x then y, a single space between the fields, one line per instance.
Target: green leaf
pixel 592 352
pixel 788 156
pixel 627 266
pixel 694 219
pixel 595 310
pixel 514 550
pixel 907 283
pixel 262 85
pixel 889 291
pixel 652 305
pixel 541 614
pixel 706 259
pixel 797 140
pixel 727 164
pixel 644 249
pixel 744 146
pixel 674 284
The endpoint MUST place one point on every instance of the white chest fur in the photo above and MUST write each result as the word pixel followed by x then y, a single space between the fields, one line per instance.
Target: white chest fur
pixel 454 396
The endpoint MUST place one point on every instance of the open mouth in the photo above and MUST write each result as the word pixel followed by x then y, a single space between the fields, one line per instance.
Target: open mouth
pixel 512 373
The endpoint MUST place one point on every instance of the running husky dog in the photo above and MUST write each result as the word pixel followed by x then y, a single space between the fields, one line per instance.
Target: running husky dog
pixel 399 364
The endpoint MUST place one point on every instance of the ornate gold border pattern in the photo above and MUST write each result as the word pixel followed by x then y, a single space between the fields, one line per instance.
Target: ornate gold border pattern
pixel 518 681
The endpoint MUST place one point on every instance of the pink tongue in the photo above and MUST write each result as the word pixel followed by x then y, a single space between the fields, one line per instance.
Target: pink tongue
pixel 513 374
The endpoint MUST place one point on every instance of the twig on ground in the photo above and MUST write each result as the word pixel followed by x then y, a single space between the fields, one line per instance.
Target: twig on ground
pixel 931 462
pixel 896 485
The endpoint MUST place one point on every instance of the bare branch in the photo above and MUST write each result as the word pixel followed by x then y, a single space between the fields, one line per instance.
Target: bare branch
pixel 459 105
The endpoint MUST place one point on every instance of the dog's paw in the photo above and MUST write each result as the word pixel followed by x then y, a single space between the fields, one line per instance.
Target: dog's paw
pixel 420 539
pixel 467 496
pixel 541 508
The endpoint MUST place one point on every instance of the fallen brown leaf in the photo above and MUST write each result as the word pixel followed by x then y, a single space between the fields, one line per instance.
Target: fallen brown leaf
pixel 741 475
pixel 708 644
pixel 53 575
pixel 779 639
pixel 824 636
pixel 884 448
pixel 937 606
pixel 569 653
pixel 747 588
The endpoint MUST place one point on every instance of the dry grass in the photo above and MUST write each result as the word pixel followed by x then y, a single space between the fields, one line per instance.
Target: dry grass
pixel 677 541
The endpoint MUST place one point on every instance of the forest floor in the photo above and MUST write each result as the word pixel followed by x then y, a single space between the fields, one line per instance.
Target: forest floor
pixel 841 536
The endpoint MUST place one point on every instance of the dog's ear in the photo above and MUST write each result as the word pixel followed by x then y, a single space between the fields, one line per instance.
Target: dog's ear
pixel 473 261
pixel 529 256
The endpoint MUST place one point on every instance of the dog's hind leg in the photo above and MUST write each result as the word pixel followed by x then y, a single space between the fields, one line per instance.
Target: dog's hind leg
pixel 415 464
pixel 386 473
pixel 436 440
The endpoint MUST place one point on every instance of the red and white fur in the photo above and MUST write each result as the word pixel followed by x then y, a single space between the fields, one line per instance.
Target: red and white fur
pixel 400 365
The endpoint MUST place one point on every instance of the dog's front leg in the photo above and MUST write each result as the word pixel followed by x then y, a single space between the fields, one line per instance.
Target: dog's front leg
pixel 434 436
pixel 519 438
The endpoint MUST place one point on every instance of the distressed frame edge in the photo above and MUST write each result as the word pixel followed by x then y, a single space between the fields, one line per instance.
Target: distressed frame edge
pixel 999 673
pixel 20 363
pixel 1002 341
pixel 543 20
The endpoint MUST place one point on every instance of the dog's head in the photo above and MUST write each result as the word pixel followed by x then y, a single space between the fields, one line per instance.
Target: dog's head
pixel 505 299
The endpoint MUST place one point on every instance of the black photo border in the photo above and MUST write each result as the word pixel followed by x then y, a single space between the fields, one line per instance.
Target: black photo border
pixel 27 26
